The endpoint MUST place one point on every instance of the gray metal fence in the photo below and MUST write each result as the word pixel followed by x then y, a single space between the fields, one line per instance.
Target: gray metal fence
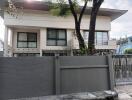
pixel 123 68
pixel 40 76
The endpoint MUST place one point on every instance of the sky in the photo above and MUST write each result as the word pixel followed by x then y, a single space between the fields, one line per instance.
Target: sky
pixel 120 27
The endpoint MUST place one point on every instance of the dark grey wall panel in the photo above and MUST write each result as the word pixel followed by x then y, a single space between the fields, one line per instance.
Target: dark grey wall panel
pixel 1 53
pixel 84 73
pixel 39 76
pixel 84 80
pixel 26 77
pixel 83 60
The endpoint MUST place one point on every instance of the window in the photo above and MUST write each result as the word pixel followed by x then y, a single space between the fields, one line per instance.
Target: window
pixel 86 35
pixel 56 37
pixel 26 40
pixel 26 55
pixel 101 38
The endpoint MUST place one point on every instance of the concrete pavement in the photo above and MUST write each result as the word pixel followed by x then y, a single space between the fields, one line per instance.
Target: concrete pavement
pixel 124 92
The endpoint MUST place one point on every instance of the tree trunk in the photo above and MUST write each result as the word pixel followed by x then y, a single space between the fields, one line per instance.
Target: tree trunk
pixel 91 40
pixel 79 36
pixel 95 9
pixel 81 42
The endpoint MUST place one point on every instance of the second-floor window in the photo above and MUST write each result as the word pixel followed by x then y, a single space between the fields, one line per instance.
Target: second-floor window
pixel 26 40
pixel 101 37
pixel 56 37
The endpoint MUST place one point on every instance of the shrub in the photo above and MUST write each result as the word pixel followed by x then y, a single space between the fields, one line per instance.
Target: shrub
pixel 128 51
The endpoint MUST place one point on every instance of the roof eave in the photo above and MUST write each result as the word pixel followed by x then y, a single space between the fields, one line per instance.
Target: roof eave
pixel 113 13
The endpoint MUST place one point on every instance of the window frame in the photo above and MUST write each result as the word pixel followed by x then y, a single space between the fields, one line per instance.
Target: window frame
pixel 27 33
pixel 102 43
pixel 56 39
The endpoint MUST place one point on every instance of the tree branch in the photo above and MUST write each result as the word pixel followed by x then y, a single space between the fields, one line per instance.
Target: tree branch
pixel 72 10
pixel 82 11
pixel 97 5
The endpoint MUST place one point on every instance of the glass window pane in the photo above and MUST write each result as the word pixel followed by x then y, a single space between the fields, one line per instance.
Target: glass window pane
pixel 99 38
pixel 95 38
pixel 22 37
pixel 22 44
pixel 61 42
pixel 61 34
pixel 32 44
pixel 32 36
pixel 52 34
pixel 51 42
pixel 105 38
pixel 85 35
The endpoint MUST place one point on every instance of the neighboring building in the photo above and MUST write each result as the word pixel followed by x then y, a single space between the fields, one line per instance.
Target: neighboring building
pixel 124 44
pixel 38 33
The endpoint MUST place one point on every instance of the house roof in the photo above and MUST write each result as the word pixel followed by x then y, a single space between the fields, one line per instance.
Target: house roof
pixel 39 5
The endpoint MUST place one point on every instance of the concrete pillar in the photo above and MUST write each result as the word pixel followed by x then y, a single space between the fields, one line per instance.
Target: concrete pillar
pixel 6 42
pixel 42 40
pixel 10 39
pixel 41 53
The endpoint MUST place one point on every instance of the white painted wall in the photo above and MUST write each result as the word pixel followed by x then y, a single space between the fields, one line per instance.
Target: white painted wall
pixel 1 46
pixel 44 19
pixel 39 21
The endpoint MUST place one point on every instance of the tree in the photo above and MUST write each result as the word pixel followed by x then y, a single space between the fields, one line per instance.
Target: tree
pixel 94 11
pixel 78 20
pixel 10 7
pixel 62 10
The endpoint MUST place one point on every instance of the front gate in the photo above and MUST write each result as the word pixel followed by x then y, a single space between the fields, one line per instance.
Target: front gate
pixel 123 69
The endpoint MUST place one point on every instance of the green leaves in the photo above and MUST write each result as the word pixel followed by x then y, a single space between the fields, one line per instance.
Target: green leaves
pixel 128 51
pixel 60 9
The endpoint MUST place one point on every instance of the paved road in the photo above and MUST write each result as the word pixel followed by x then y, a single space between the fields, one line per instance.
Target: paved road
pixel 125 92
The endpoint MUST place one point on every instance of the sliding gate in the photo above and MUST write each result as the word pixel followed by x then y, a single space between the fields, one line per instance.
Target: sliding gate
pixel 123 69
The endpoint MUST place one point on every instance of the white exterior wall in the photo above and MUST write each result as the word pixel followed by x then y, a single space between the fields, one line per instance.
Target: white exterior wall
pixel 43 19
pixel 1 46
pixel 111 45
pixel 39 21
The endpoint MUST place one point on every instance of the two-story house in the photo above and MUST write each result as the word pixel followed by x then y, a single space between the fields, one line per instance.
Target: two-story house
pixel 36 32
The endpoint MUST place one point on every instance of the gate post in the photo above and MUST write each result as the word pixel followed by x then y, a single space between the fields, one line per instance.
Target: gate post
pixel 111 72
pixel 57 75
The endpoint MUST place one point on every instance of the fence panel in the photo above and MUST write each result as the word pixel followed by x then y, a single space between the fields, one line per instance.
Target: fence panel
pixel 84 73
pixel 25 77
pixel 123 68
pixel 40 76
